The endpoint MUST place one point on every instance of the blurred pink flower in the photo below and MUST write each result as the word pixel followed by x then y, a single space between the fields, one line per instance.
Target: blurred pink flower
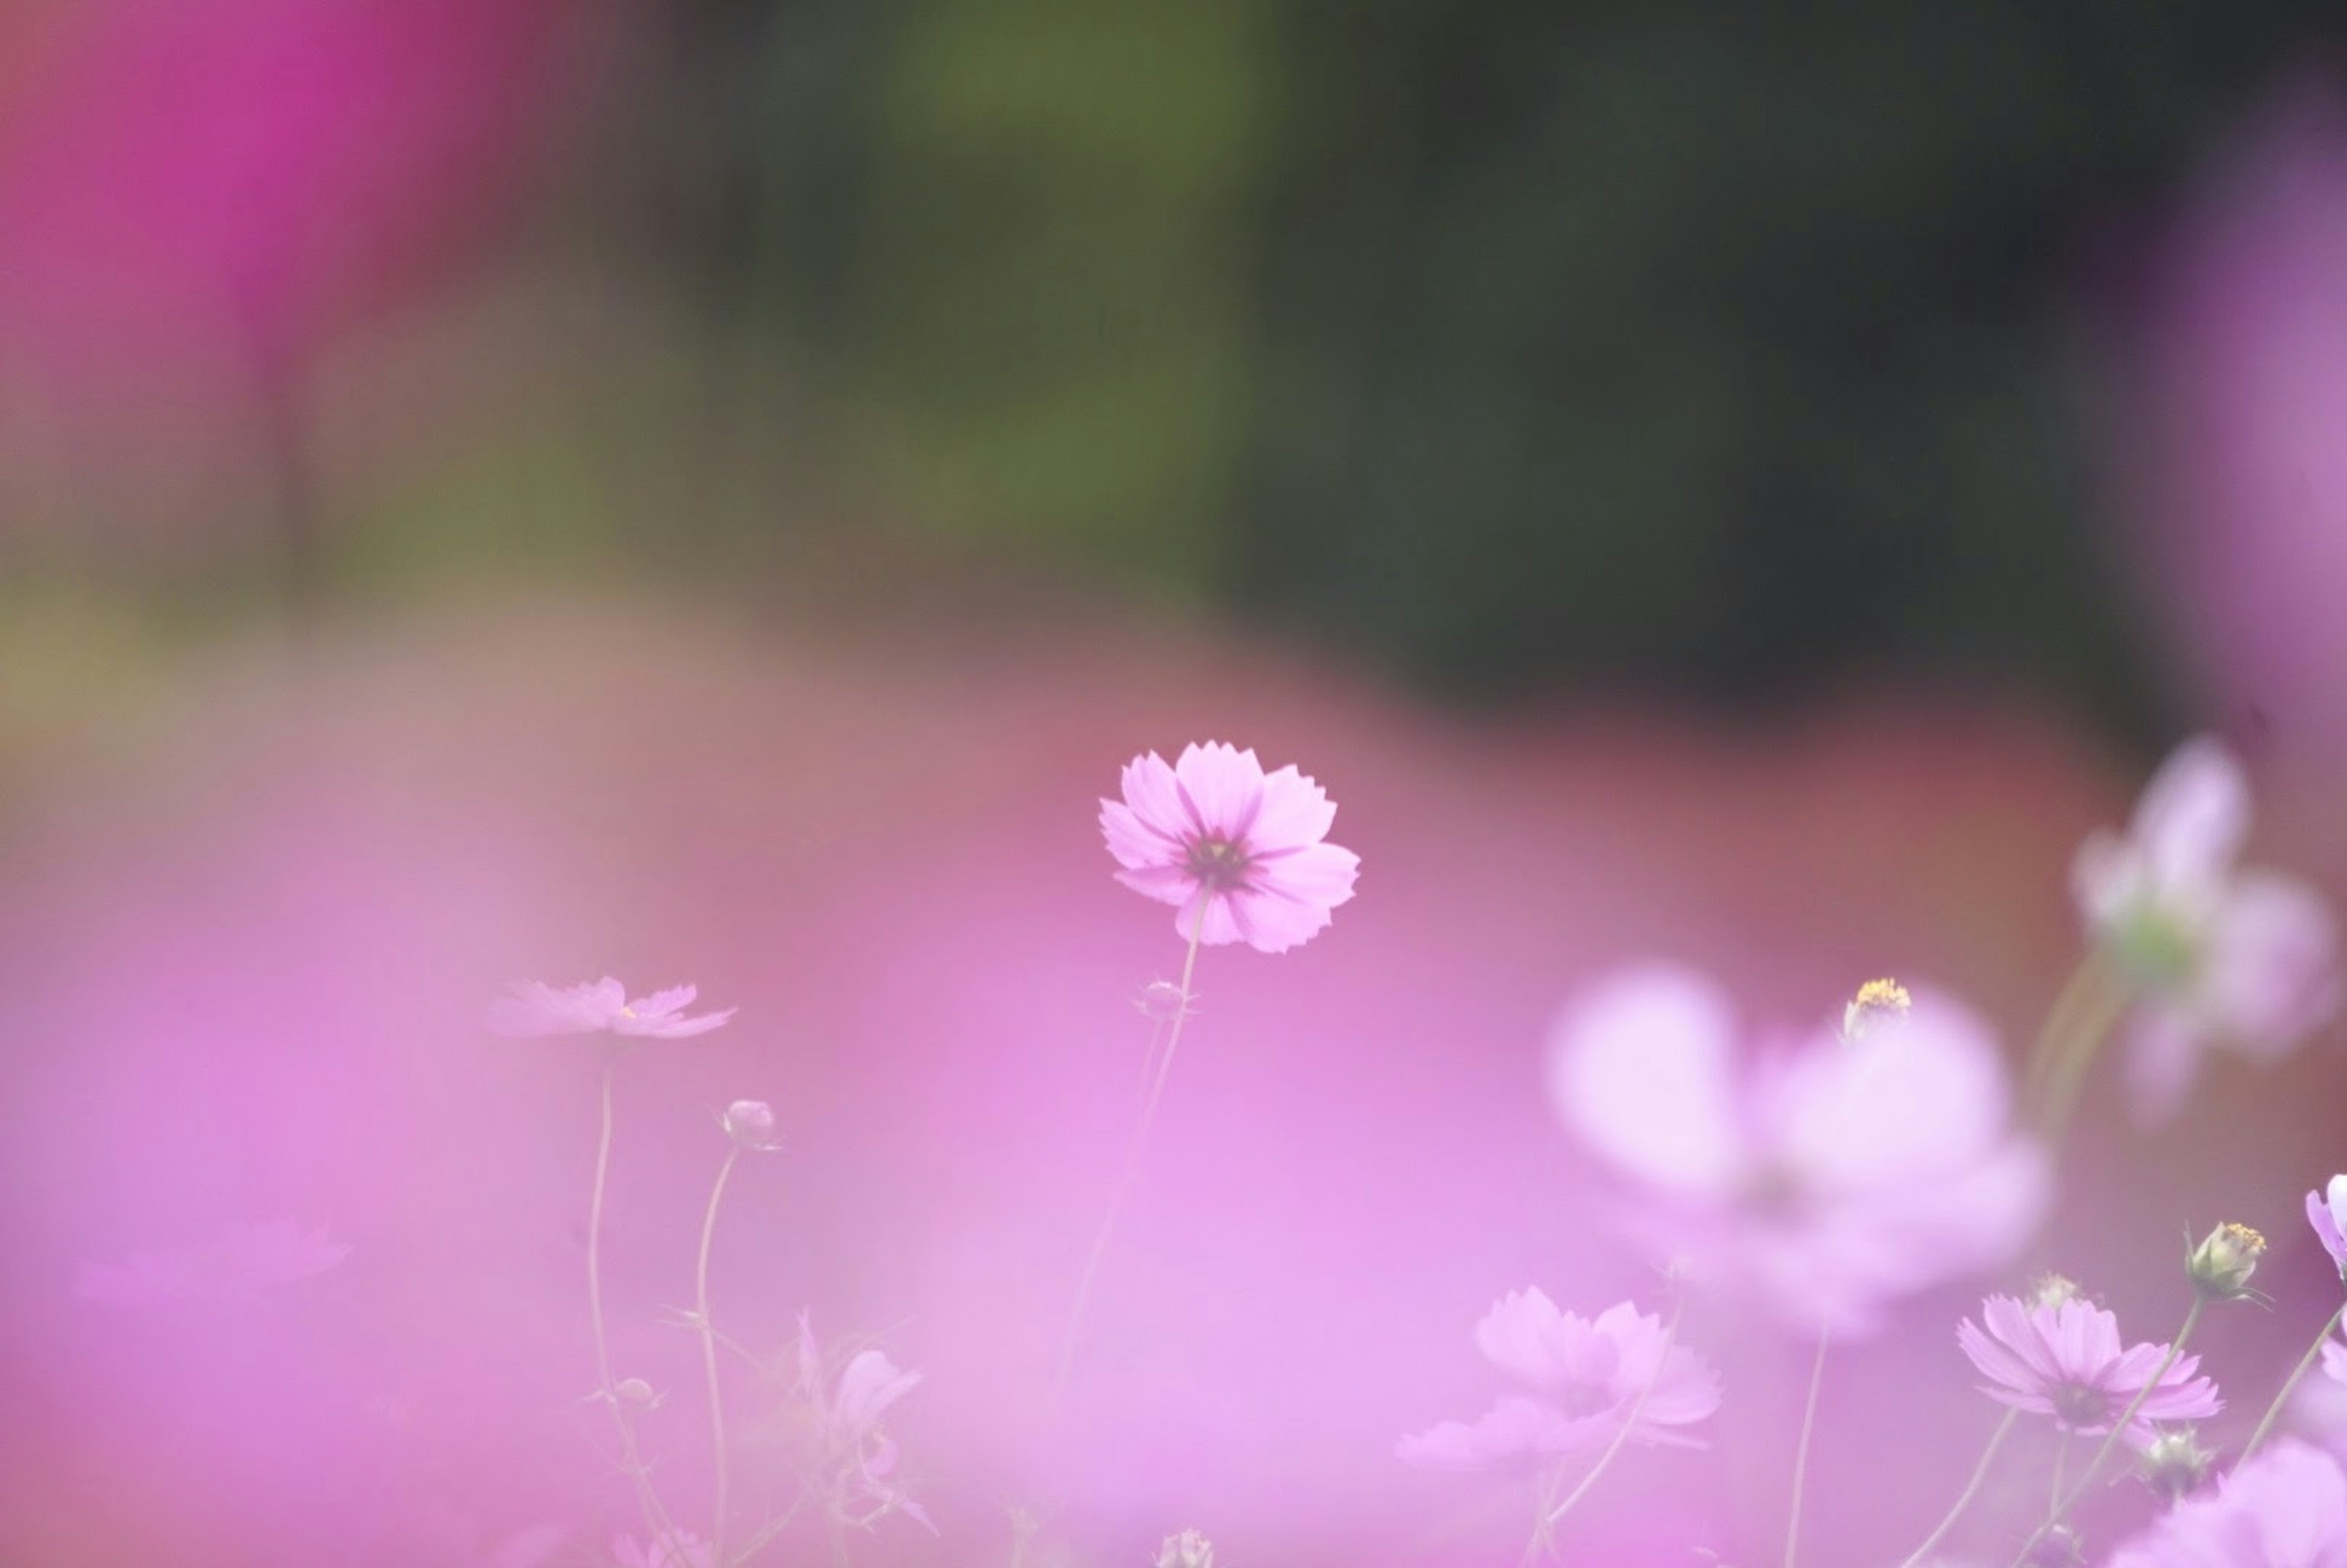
pixel 530 1008
pixel 238 1266
pixel 1215 827
pixel 2233 460
pixel 2063 1359
pixel 2215 955
pixel 1588 1376
pixel 1829 1176
pixel 2283 1508
pixel 854 1456
pixel 2326 1210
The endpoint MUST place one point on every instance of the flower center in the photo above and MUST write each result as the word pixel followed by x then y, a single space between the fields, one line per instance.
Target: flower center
pixel 2081 1405
pixel 2155 949
pixel 1578 1400
pixel 1218 864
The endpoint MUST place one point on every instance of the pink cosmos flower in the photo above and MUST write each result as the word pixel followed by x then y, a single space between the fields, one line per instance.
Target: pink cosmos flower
pixel 853 1458
pixel 1826 1174
pixel 2327 1212
pixel 1586 1378
pixel 529 1009
pixel 1244 850
pixel 241 1266
pixel 2285 1508
pixel 2215 955
pixel 2063 1359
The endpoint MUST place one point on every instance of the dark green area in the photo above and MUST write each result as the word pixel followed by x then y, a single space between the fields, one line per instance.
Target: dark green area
pixel 1703 348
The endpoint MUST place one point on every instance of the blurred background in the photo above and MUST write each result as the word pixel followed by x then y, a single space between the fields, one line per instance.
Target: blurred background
pixel 1503 350
pixel 713 490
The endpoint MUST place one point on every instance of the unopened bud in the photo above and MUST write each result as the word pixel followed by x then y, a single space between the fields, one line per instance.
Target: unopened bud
pixel 1161 999
pixel 1187 1550
pixel 2221 1265
pixel 750 1123
pixel 2051 1289
pixel 635 1393
pixel 2175 1463
pixel 1877 1003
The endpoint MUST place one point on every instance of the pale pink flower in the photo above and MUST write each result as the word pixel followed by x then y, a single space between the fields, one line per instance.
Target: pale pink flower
pixel 1214 829
pixel 530 1008
pixel 1824 1175
pixel 1586 1378
pixel 2286 1507
pixel 241 1266
pixel 2064 1359
pixel 2326 1210
pixel 853 1457
pixel 2214 954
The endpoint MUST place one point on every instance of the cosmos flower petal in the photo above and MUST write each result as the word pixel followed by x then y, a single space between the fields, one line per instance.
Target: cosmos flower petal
pixel 1154 799
pixel 2194 814
pixel 1223 785
pixel 1917 1099
pixel 2285 1506
pixel 1519 1335
pixel 1642 1070
pixel 1295 812
pixel 2271 965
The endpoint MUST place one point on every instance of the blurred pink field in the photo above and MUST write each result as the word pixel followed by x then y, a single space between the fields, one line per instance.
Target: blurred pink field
pixel 254 915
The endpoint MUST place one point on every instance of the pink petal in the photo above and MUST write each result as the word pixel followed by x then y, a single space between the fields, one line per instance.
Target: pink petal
pixel 1642 1069
pixel 1294 812
pixel 2194 814
pixel 2271 965
pixel 1223 785
pixel 1924 1097
pixel 1321 875
pixel 1156 800
pixel 1132 841
pixel 1520 1336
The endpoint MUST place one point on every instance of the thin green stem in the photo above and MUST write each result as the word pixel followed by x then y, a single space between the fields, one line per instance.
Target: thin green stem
pixel 2063 1504
pixel 2081 1020
pixel 1801 1451
pixel 709 1356
pixel 2274 1411
pixel 2061 1463
pixel 1132 1169
pixel 1971 1489
pixel 656 1516
pixel 1629 1423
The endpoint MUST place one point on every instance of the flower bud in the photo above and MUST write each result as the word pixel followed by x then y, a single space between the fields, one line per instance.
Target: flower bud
pixel 1877 1003
pixel 2175 1463
pixel 2221 1265
pixel 635 1394
pixel 1161 999
pixel 1187 1550
pixel 750 1124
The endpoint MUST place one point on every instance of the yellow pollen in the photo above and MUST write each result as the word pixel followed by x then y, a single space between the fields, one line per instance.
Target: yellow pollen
pixel 2243 1236
pixel 1883 995
pixel 1877 1002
